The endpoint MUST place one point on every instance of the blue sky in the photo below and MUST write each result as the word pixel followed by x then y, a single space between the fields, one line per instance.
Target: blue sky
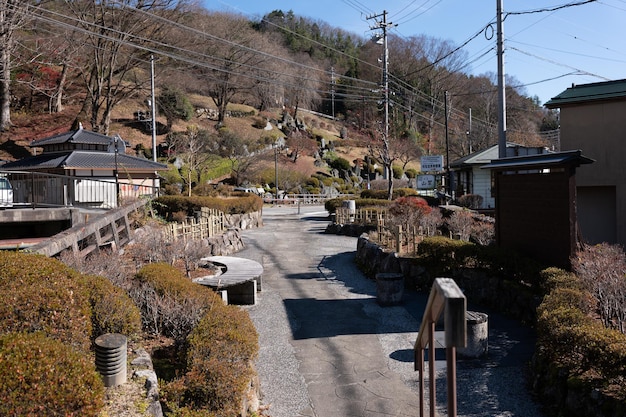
pixel 580 45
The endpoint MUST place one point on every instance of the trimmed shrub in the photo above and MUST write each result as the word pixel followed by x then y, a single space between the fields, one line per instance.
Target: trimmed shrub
pixel 113 311
pixel 574 347
pixel 397 172
pixel 40 376
pixel 334 203
pixel 170 303
pixel 219 365
pixel 340 164
pixel 42 294
pixel 166 206
pixel 411 173
pixel 471 201
pixel 382 194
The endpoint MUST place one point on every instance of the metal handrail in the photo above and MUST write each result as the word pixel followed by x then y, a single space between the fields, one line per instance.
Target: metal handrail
pixel 445 296
pixel 41 189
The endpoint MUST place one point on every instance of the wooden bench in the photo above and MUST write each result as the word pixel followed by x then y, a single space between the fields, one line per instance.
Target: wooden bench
pixel 239 281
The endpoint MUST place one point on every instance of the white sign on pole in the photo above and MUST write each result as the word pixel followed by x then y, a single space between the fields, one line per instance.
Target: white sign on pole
pixel 432 163
pixel 426 182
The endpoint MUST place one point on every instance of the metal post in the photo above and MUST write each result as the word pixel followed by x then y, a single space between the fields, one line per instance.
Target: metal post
pixel 117 182
pixel 451 380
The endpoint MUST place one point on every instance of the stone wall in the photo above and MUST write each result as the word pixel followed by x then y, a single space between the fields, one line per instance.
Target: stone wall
pixel 245 221
pixel 479 286
pixel 230 242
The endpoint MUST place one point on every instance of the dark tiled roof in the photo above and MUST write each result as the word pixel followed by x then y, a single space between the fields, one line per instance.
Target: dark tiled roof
pixel 546 160
pixel 75 136
pixel 584 93
pixel 85 160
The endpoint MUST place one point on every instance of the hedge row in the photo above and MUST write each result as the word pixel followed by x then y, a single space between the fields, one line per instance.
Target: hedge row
pixel 49 316
pixel 577 356
pixel 169 205
pixel 443 255
pixel 333 204
pixel 219 343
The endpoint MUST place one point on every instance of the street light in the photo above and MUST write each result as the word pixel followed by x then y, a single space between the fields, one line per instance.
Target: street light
pixel 117 182
pixel 276 172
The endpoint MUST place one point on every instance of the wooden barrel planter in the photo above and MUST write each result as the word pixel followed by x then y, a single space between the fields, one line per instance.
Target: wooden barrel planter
pixel 477 335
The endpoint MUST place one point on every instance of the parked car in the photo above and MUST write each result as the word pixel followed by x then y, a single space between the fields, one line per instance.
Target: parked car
pixel 6 193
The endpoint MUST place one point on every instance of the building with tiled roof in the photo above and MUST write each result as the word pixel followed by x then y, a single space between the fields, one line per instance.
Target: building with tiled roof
pixel 469 178
pixel 85 155
pixel 592 120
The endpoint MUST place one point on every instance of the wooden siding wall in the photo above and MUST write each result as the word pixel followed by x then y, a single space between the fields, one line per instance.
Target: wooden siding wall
pixel 535 215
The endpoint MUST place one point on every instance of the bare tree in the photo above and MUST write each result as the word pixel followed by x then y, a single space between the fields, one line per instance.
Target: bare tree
pixel 115 34
pixel 302 87
pixel 241 153
pixel 234 52
pixel 13 14
pixel 193 149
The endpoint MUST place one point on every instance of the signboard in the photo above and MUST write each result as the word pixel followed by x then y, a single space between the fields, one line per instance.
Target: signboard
pixel 432 163
pixel 426 182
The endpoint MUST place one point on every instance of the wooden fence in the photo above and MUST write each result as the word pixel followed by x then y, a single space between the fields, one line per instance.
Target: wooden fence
pixel 391 236
pixel 211 222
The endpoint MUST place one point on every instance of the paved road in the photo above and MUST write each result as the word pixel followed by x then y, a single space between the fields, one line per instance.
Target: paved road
pixel 329 350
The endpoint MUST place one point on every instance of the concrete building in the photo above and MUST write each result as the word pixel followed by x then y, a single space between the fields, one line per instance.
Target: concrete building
pixel 592 118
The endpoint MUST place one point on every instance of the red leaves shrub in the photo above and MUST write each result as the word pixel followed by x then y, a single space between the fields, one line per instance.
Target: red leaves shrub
pixel 408 211
pixel 40 376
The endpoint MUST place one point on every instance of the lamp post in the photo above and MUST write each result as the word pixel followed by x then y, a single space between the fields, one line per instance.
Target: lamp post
pixel 276 172
pixel 117 182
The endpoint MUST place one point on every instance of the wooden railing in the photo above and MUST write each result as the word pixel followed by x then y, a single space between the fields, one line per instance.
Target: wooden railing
pixel 445 296
pixel 211 223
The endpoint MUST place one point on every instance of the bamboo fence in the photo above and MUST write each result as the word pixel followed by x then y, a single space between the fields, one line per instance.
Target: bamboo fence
pixel 211 223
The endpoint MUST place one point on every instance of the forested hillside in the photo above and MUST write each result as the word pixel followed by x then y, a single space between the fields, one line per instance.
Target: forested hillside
pixel 70 61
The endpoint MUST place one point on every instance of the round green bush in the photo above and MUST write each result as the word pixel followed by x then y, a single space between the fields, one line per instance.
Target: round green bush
pixel 38 293
pixel 113 311
pixel 40 376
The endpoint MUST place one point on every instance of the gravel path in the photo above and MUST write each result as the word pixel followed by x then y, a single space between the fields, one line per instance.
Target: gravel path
pixel 328 349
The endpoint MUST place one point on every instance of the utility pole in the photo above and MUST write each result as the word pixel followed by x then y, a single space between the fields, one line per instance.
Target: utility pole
pixel 332 90
pixel 153 109
pixel 448 173
pixel 501 85
pixel 384 25
pixel 469 132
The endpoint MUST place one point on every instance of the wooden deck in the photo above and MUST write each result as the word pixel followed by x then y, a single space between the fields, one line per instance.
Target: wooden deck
pixel 239 282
